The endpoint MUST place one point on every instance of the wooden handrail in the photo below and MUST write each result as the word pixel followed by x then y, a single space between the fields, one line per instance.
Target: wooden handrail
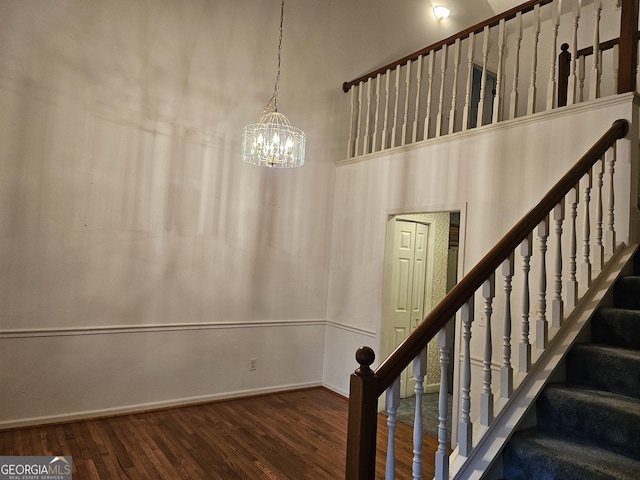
pixel 447 308
pixel 492 22
pixel 609 44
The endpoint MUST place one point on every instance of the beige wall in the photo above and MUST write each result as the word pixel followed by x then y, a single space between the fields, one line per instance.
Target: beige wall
pixel 141 262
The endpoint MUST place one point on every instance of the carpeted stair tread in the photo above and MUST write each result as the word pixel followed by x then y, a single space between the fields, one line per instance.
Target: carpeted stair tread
pixel 626 292
pixel 581 413
pixel 616 326
pixel 604 367
pixel 531 454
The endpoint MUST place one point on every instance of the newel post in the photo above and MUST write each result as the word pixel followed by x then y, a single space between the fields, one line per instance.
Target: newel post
pixel 363 416
pixel 628 53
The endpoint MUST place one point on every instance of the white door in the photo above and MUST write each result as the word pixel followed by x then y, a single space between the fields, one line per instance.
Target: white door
pixel 407 295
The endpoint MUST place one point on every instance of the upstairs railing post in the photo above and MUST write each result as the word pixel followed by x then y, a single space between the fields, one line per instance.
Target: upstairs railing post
pixel 628 60
pixel 363 416
pixel 564 69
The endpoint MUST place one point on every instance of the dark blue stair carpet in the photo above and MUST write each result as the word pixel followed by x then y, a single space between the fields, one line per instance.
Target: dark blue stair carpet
pixel 617 326
pixel 601 419
pixel 534 455
pixel 588 428
pixel 612 369
pixel 626 292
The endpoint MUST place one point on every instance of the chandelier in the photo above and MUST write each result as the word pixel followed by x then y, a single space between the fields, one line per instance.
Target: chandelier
pixel 273 142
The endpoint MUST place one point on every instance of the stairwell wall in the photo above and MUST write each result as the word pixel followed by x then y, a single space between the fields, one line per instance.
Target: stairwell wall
pixel 493 175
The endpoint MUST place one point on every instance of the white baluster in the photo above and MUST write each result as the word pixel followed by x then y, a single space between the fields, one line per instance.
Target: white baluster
pixel 483 79
pixel 486 397
pixel 531 103
pixel 454 97
pixel 506 371
pixel 555 23
pixel 359 127
pixel 572 94
pixel 467 97
pixel 585 267
pixel 557 306
pixel 407 79
pixel 385 122
pixel 393 402
pixel 598 249
pixel 443 71
pixel 513 103
pixel 427 117
pixel 594 83
pixel 352 134
pixel 497 99
pixel 525 346
pixel 610 238
pixel 374 137
pixel 442 454
pixel 572 284
pixel 395 109
pixel 419 371
pixel 581 78
pixel 414 136
pixel 542 328
pixel 365 147
pixel 465 428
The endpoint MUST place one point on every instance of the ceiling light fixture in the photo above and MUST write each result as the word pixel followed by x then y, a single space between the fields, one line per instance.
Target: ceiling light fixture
pixel 273 142
pixel 441 12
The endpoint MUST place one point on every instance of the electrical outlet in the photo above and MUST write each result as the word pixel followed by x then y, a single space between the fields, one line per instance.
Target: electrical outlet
pixel 482 321
pixel 253 364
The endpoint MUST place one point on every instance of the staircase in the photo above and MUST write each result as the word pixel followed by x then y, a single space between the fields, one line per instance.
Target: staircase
pixel 588 428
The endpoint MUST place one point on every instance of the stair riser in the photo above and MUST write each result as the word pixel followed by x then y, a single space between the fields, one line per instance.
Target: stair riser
pixel 603 371
pixel 616 327
pixel 524 467
pixel 525 460
pixel 626 293
pixel 610 426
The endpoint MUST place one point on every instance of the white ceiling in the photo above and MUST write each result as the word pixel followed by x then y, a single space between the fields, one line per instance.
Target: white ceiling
pixel 500 6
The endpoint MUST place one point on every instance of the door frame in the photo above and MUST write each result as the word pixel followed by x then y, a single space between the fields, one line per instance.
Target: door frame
pixel 454 354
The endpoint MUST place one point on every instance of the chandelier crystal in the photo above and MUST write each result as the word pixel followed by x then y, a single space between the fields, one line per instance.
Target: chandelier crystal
pixel 273 142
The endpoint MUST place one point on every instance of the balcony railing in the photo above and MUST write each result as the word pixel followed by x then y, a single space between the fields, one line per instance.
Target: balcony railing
pixel 500 69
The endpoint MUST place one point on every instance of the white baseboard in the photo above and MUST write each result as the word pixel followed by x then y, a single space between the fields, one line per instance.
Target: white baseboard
pixel 129 409
pixel 336 390
pixel 432 388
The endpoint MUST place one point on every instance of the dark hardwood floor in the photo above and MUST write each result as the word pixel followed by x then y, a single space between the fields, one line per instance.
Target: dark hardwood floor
pixel 292 435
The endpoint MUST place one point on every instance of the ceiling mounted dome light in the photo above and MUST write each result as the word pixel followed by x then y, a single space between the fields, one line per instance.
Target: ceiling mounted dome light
pixel 441 12
pixel 273 142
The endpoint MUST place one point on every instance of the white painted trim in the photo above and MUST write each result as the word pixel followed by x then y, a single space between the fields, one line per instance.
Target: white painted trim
pixel 131 409
pixel 337 390
pixel 489 441
pixel 170 327
pixel 348 328
pixel 432 388
pixel 612 100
